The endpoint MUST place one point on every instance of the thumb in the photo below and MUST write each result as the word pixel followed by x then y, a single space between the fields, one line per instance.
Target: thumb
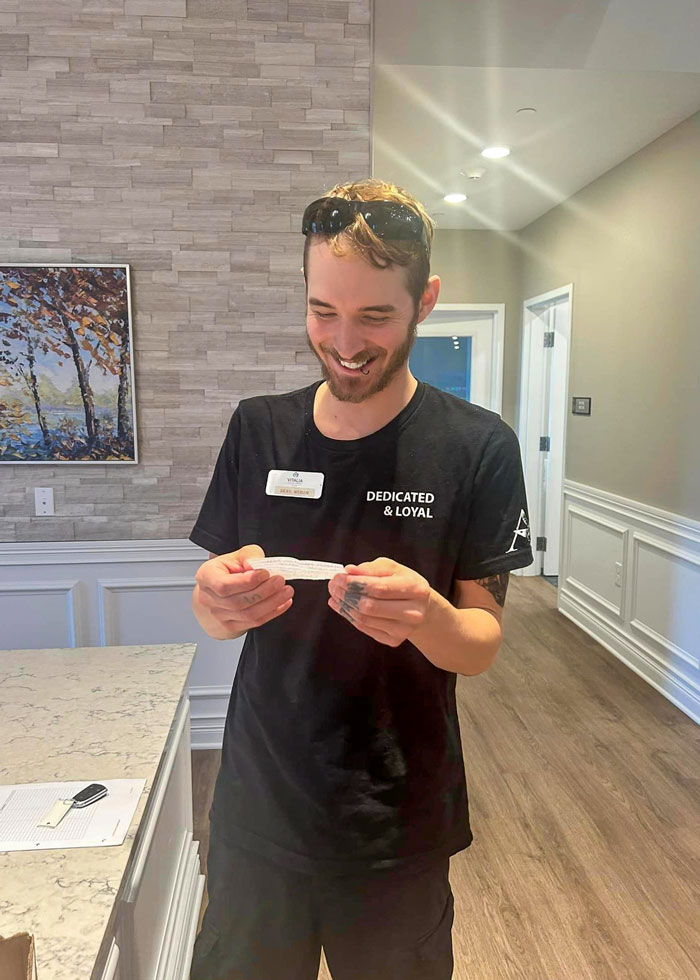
pixel 236 560
pixel 380 566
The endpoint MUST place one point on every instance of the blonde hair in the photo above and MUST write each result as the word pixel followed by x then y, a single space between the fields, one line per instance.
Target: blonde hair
pixel 359 239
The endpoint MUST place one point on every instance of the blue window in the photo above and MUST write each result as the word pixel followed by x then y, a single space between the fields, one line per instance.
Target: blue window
pixel 443 363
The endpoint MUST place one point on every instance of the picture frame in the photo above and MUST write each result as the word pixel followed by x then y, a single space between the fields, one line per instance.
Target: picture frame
pixel 67 392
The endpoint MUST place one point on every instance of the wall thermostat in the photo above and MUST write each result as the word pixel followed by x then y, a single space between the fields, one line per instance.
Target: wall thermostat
pixel 581 406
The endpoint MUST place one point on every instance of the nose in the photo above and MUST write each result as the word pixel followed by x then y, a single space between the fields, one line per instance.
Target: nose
pixel 346 339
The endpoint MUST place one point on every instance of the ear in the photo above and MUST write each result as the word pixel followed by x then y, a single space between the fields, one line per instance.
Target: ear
pixel 429 298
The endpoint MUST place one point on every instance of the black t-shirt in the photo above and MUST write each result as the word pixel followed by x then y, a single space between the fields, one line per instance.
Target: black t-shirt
pixel 342 754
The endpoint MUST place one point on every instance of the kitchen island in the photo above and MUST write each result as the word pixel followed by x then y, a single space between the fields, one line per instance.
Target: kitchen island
pixel 126 912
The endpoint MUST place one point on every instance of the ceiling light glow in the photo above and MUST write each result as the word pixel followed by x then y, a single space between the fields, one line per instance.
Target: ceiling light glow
pixel 495 152
pixel 455 198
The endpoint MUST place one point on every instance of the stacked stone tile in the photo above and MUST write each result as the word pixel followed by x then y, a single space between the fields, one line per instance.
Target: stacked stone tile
pixel 183 139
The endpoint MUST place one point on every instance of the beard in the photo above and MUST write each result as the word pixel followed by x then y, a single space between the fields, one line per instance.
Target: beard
pixel 349 389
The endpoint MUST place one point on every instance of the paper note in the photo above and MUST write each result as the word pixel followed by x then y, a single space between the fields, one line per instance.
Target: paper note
pixel 100 824
pixel 297 568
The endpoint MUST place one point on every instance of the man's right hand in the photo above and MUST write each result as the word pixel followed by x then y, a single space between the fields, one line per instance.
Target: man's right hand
pixel 230 597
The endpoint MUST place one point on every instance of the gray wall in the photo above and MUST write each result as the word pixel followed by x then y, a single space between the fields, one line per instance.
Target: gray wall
pixel 484 267
pixel 185 140
pixel 630 244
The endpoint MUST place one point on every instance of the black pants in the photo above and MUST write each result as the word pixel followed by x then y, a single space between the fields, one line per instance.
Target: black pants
pixel 264 922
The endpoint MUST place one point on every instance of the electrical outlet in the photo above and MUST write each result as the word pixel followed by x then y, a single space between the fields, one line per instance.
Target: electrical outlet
pixel 43 501
pixel 618 573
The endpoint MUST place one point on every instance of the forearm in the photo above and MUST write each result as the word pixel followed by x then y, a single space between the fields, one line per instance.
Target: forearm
pixel 465 641
pixel 208 622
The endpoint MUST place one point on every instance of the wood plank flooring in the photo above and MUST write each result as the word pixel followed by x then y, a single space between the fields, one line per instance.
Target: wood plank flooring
pixel 584 793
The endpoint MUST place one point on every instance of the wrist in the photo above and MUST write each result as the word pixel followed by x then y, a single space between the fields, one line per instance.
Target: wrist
pixel 432 620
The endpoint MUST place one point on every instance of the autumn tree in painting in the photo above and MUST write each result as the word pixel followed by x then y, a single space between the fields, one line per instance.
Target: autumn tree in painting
pixel 71 315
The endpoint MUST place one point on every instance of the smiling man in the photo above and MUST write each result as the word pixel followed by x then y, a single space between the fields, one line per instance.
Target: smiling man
pixel 342 793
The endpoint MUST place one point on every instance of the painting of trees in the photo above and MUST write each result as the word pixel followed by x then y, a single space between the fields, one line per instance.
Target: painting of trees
pixel 66 378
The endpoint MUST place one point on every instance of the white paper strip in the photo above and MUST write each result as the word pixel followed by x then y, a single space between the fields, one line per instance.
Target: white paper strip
pixel 297 568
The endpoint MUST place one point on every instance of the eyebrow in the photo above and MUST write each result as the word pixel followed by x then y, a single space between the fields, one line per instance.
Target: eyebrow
pixel 386 308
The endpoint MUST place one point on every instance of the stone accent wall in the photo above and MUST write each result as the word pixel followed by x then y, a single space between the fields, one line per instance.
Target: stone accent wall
pixel 183 138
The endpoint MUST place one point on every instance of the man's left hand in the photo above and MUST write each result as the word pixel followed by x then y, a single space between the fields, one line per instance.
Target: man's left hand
pixel 381 598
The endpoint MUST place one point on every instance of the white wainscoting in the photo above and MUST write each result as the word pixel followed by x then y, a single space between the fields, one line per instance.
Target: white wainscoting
pixel 117 593
pixel 651 620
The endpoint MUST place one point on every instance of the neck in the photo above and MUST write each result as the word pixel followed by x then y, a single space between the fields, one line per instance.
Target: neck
pixel 354 420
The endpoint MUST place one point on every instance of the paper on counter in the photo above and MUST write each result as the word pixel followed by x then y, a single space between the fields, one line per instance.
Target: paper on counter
pixel 100 824
pixel 297 568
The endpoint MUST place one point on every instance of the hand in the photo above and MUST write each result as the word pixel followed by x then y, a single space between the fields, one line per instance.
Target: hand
pixel 235 597
pixel 381 598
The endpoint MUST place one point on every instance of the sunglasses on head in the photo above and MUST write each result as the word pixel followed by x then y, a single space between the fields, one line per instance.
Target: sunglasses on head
pixel 387 219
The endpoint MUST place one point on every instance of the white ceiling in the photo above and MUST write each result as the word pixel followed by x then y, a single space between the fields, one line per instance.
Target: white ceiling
pixel 606 77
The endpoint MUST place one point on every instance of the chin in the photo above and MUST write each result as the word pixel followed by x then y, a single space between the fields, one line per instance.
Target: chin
pixel 369 385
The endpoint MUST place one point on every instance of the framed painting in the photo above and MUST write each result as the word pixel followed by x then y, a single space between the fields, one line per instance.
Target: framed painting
pixel 66 370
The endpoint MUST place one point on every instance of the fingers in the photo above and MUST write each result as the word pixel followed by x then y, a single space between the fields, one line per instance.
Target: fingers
pixel 222 584
pixel 357 597
pixel 262 611
pixel 386 587
pixel 401 618
pixel 241 596
pixel 271 590
pixel 378 629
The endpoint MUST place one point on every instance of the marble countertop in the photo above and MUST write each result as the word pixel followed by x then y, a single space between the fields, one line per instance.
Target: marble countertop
pixel 90 713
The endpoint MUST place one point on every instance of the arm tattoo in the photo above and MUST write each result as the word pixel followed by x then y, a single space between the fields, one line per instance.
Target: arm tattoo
pixel 497 585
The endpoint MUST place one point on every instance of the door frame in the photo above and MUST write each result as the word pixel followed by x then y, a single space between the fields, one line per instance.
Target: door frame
pixel 433 327
pixel 530 413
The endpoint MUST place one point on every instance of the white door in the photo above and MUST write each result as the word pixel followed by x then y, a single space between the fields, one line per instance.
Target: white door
pixel 459 349
pixel 542 424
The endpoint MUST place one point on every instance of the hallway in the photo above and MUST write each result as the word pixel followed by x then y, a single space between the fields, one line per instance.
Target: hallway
pixel 584 790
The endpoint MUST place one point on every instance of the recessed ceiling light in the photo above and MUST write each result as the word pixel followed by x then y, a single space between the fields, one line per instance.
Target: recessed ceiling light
pixel 495 152
pixel 454 198
pixel 526 108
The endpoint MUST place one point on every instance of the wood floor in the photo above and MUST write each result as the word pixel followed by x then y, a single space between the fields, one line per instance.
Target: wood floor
pixel 584 792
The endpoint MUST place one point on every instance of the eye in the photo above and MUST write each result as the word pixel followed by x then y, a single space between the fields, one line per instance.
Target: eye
pixel 323 316
pixel 377 319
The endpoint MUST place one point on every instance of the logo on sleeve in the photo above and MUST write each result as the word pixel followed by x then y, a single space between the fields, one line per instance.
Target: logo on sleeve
pixel 521 531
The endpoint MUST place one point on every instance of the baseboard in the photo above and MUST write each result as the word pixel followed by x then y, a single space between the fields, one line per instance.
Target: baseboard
pixel 208 707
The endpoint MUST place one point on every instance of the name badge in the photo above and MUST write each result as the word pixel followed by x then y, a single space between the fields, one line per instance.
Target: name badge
pixel 294 483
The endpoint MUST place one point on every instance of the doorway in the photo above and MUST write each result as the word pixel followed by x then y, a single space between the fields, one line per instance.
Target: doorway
pixel 459 349
pixel 544 396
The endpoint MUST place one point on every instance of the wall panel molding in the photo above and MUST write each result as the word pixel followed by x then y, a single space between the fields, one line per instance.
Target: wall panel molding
pixel 108 592
pixel 12 611
pixel 652 626
pixel 654 623
pixel 116 593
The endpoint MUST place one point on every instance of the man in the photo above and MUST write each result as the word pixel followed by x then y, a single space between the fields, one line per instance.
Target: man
pixel 341 793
